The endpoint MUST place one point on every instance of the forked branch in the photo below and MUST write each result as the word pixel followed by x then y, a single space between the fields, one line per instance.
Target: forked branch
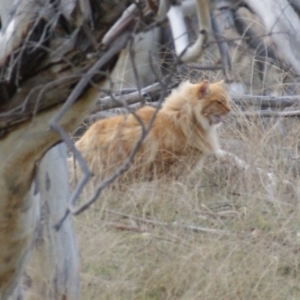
pixel 54 123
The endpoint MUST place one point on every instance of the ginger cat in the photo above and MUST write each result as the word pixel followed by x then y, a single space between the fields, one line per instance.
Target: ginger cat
pixel 183 132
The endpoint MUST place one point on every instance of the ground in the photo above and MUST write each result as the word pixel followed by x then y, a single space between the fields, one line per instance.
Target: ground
pixel 225 232
pixel 221 233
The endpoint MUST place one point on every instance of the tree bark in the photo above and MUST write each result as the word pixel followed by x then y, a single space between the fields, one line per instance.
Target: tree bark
pixel 43 55
pixel 19 209
pixel 53 270
pixel 17 235
pixel 53 62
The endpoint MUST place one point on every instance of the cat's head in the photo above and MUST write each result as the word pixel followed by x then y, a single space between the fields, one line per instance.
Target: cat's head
pixel 211 102
pixel 205 103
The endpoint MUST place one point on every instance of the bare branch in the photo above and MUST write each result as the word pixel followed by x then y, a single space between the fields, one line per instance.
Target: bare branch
pixel 114 105
pixel 124 21
pixel 131 98
pixel 54 123
pixel 127 163
pixel 223 48
pixel 107 103
pixel 120 171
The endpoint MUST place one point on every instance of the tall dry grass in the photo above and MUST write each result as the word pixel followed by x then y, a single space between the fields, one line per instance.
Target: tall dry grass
pixel 252 251
pixel 138 244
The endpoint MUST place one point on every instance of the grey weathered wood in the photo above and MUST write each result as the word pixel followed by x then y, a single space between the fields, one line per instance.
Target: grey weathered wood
pixel 282 22
pixel 266 101
pixel 42 58
pixel 18 223
pixel 270 113
pixel 53 270
pixel 19 209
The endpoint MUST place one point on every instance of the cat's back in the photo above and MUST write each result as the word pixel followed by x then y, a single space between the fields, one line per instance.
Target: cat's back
pixel 106 130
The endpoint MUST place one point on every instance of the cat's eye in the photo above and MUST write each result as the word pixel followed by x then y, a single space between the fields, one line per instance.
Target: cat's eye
pixel 219 102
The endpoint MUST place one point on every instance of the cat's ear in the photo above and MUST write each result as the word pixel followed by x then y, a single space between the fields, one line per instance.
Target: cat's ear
pixel 204 88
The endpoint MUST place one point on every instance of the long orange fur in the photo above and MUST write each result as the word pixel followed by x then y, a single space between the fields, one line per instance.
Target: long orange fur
pixel 183 132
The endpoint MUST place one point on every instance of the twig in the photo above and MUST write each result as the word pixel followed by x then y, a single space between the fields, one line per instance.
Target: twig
pixel 165 224
pixel 138 118
pixel 127 163
pixel 118 173
pixel 116 111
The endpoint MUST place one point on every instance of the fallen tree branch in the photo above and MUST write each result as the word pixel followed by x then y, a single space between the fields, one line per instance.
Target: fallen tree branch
pixel 270 113
pixel 123 97
pixel 107 106
pixel 131 98
pixel 266 101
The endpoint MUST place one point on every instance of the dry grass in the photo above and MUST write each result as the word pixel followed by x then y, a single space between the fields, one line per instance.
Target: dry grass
pixel 255 255
pixel 253 252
